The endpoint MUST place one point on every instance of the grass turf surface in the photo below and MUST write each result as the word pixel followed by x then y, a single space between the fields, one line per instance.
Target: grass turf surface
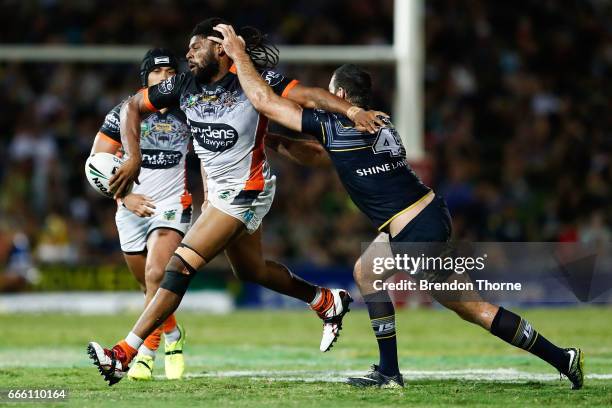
pixel 264 358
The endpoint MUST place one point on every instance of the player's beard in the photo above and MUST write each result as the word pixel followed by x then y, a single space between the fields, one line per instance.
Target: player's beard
pixel 204 74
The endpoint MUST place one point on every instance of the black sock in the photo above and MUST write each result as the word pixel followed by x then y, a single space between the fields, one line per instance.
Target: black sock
pixel 518 332
pixel 382 316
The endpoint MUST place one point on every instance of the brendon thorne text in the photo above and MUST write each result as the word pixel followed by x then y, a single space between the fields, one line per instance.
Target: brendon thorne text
pixel 425 285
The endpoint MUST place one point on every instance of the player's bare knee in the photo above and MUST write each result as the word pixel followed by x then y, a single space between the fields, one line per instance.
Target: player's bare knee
pixel 153 276
pixel 357 271
pixel 363 279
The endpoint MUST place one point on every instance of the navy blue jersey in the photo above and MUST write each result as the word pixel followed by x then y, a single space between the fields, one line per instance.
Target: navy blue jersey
pixel 372 167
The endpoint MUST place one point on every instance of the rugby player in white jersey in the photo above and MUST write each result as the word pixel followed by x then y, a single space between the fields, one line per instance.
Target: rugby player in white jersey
pixel 155 215
pixel 229 139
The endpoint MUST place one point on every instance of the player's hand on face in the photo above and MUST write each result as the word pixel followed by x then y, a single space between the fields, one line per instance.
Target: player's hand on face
pixel 139 204
pixel 369 121
pixel 125 175
pixel 232 43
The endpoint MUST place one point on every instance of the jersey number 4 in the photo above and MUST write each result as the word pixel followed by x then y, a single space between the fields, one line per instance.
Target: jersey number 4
pixel 388 141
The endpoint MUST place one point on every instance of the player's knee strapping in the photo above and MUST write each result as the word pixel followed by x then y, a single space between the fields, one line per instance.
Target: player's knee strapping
pixel 181 268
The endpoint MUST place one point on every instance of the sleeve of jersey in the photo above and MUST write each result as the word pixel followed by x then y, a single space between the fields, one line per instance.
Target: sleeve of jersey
pixel 110 126
pixel 280 84
pixel 314 124
pixel 166 94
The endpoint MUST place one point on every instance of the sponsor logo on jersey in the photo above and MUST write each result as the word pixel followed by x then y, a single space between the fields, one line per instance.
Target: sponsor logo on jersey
pixel 170 215
pixel 381 168
pixel 273 78
pixel 145 129
pixel 166 86
pixel 224 195
pixel 248 216
pixel 112 121
pixel 160 159
pixel 211 103
pixel 216 137
pixel 163 127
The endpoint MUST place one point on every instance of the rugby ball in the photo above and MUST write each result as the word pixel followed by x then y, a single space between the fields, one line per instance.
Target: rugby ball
pixel 99 168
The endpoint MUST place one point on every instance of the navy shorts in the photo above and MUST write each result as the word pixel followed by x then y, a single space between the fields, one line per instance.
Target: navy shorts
pixel 433 224
pixel 428 235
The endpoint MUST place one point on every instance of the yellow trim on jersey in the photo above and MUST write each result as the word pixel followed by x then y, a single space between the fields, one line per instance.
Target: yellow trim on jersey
pixel 404 210
pixel 323 132
pixel 351 149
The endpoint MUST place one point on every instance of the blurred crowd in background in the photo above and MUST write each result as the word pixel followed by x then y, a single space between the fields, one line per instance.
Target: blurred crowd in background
pixel 517 104
pixel 518 130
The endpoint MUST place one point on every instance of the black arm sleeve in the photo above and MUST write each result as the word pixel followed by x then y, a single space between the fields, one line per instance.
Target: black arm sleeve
pixel 167 93
pixel 313 123
pixel 110 126
pixel 279 83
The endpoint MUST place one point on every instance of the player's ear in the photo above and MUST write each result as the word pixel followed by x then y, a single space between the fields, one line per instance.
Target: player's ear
pixel 219 50
pixel 340 93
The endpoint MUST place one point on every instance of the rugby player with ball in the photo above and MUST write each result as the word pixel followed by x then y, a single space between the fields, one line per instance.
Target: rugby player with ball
pixel 153 218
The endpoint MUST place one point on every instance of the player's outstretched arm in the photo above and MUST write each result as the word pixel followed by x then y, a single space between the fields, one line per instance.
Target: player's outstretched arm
pixel 302 151
pixel 263 98
pixel 319 98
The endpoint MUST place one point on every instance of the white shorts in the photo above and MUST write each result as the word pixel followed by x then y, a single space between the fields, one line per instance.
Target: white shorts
pixel 249 206
pixel 134 230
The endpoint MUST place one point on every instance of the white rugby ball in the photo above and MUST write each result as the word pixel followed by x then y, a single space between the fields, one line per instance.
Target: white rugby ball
pixel 99 168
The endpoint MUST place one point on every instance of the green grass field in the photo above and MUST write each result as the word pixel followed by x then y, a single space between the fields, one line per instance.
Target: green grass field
pixel 264 358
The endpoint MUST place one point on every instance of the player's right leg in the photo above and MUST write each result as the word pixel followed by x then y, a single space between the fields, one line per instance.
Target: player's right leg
pixel 211 233
pixel 431 225
pixel 386 373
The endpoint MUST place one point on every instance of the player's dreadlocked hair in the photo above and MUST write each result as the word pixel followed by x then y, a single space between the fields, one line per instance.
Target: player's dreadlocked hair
pixel 263 54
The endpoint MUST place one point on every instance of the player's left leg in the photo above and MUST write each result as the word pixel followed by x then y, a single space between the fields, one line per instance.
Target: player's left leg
pixel 518 332
pixel 210 234
pixel 246 258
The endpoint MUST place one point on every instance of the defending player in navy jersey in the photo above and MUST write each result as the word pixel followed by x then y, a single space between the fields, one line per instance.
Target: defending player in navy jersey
pixel 229 140
pixel 374 170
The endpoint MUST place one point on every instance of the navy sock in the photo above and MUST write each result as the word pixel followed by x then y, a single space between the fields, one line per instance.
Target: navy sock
pixel 382 316
pixel 519 332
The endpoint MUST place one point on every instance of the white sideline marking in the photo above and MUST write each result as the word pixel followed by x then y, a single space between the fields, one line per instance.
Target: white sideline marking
pixel 496 375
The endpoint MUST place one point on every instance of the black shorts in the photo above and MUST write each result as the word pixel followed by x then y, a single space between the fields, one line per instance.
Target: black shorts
pixel 427 235
pixel 433 224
